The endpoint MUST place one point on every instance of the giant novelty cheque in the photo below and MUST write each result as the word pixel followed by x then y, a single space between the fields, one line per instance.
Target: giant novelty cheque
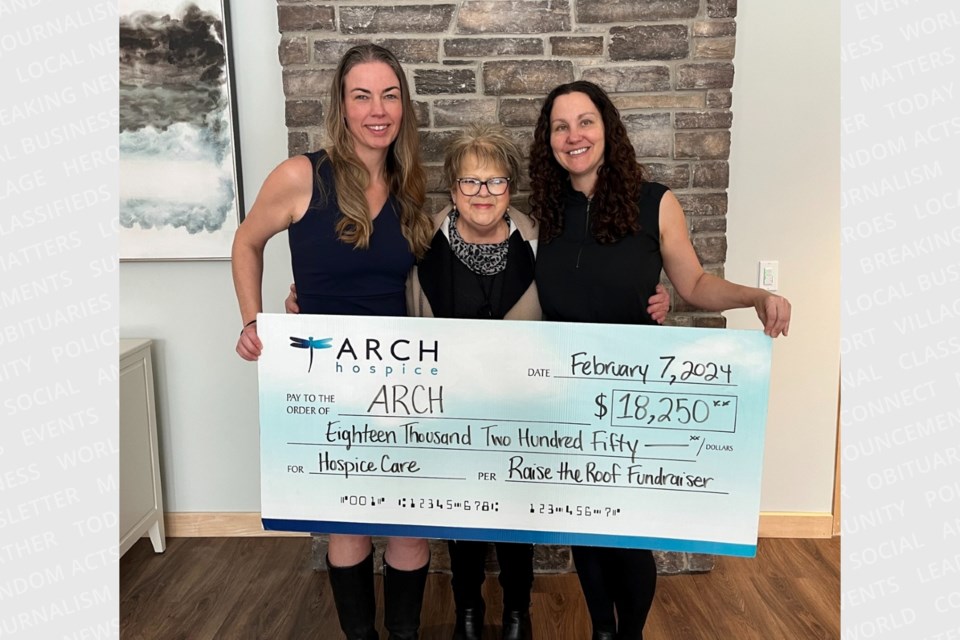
pixel 542 432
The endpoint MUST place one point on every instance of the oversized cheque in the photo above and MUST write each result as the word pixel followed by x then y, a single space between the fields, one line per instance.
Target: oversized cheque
pixel 607 435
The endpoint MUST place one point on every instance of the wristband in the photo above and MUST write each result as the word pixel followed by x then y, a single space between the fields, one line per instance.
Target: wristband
pixel 254 321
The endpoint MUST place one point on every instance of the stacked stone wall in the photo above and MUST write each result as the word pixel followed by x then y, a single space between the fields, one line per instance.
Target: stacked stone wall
pixel 667 64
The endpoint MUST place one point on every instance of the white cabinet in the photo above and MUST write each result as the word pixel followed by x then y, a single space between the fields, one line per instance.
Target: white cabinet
pixel 141 500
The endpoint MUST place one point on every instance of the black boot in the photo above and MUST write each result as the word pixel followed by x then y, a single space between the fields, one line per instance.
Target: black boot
pixel 403 599
pixel 353 594
pixel 469 624
pixel 516 625
pixel 603 635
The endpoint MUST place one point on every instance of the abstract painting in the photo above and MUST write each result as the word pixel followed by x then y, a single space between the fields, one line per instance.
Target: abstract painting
pixel 180 188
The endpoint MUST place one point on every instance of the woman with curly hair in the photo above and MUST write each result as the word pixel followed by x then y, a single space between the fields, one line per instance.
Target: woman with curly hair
pixel 355 223
pixel 605 235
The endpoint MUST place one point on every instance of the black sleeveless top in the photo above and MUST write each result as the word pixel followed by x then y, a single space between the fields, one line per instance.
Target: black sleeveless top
pixel 579 280
pixel 335 277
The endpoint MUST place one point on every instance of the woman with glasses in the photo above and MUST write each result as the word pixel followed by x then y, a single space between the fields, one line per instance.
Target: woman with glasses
pixel 480 266
pixel 480 261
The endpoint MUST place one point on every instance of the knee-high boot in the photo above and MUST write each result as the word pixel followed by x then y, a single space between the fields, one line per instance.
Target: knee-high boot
pixel 356 602
pixel 403 599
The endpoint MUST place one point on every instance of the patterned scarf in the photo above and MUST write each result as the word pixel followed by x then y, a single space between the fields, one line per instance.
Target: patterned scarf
pixel 482 259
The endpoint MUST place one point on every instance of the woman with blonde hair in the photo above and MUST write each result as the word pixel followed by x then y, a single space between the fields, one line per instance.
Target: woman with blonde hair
pixel 353 213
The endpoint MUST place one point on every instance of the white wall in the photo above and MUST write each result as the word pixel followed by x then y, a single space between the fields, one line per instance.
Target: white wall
pixel 206 395
pixel 783 203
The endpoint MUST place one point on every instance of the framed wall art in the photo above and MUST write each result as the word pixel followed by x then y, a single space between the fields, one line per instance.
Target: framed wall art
pixel 180 184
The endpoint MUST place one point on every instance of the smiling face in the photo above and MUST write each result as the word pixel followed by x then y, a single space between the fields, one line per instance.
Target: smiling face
pixel 481 216
pixel 577 138
pixel 372 107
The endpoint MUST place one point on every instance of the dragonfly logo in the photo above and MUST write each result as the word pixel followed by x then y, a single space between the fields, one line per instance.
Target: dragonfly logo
pixel 310 343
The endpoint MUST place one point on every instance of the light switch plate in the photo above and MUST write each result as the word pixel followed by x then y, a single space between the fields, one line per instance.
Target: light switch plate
pixel 769 275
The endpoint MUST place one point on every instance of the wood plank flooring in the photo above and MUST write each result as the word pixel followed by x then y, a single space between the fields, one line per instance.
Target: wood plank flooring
pixel 264 588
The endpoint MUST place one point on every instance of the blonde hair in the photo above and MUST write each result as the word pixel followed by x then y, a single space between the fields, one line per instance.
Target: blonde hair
pixel 491 144
pixel 405 176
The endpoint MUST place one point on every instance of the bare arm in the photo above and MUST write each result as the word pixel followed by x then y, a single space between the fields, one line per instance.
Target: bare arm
pixel 282 200
pixel 707 291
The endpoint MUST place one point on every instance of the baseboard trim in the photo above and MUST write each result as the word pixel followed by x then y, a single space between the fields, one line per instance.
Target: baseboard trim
pixel 240 524
pixel 216 524
pixel 777 524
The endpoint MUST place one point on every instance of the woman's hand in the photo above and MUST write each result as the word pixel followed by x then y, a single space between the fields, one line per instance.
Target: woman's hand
pixel 249 345
pixel 290 304
pixel 774 313
pixel 659 304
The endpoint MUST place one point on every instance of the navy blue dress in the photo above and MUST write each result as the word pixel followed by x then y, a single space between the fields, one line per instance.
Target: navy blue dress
pixel 334 277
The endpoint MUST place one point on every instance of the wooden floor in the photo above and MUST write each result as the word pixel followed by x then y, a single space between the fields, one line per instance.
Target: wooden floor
pixel 263 588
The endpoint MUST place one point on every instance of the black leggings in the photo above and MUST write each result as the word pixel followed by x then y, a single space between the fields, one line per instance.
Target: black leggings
pixel 621 579
pixel 467 560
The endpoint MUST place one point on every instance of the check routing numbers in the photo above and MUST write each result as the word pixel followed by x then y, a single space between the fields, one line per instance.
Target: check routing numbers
pixel 633 430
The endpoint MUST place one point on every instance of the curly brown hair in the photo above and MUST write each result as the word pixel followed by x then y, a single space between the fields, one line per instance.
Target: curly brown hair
pixel 613 208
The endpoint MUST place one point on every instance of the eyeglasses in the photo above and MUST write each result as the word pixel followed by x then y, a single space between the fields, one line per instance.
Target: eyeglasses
pixel 495 186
